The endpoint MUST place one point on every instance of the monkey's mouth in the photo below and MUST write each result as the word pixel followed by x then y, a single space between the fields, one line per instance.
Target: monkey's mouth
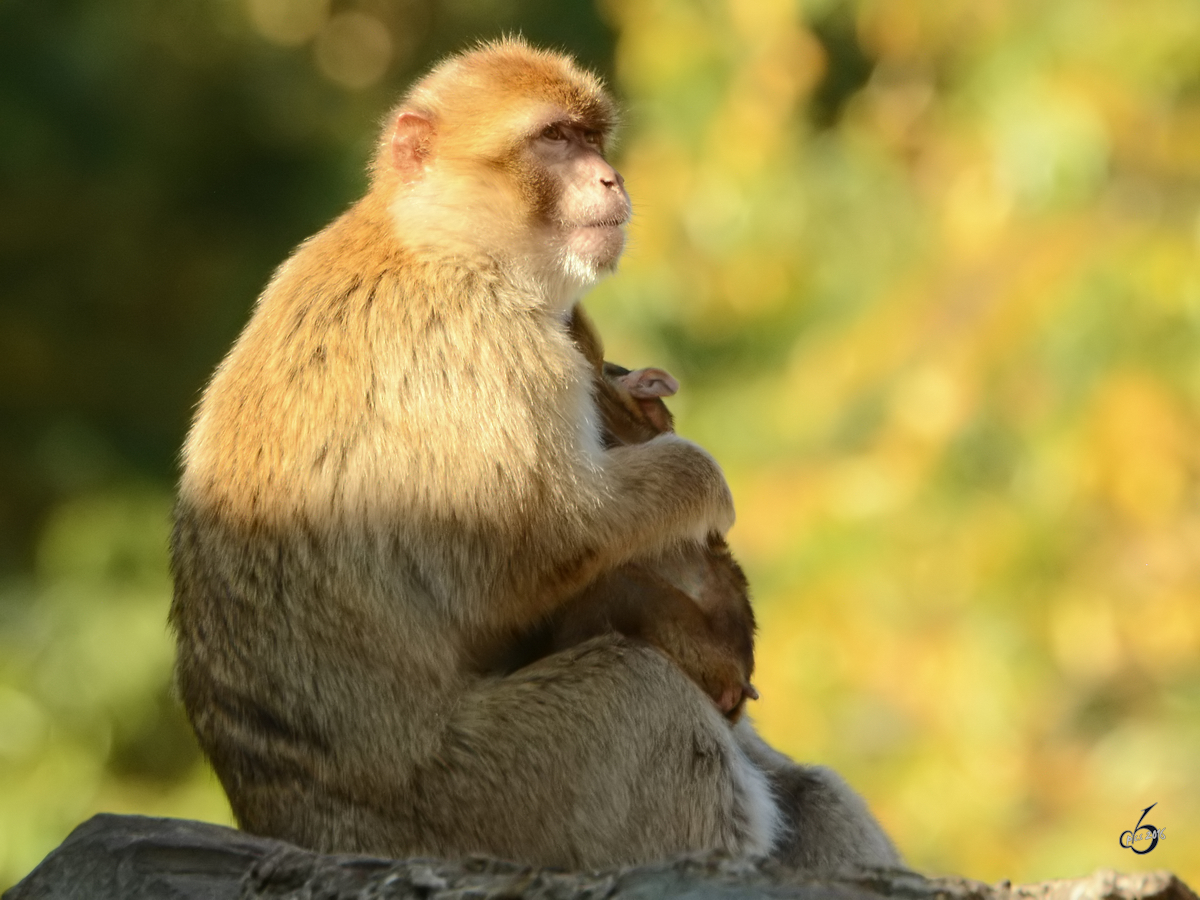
pixel 598 241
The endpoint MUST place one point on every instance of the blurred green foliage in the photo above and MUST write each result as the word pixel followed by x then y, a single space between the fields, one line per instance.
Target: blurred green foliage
pixel 928 272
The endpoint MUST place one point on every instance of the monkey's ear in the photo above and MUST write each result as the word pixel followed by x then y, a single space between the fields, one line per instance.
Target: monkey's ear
pixel 647 383
pixel 412 144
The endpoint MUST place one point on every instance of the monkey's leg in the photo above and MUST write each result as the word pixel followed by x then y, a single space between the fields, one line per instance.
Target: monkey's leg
pixel 603 754
pixel 826 825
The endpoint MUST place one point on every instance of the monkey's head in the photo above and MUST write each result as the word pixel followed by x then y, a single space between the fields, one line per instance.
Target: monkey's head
pixel 501 150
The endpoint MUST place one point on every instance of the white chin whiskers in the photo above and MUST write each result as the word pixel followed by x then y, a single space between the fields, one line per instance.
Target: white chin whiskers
pixel 574 263
pixel 592 251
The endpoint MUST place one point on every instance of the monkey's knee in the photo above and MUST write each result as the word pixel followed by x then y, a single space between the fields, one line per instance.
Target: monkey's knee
pixel 713 779
pixel 648 754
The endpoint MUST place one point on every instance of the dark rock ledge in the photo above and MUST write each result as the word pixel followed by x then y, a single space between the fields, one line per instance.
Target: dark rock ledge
pixel 132 857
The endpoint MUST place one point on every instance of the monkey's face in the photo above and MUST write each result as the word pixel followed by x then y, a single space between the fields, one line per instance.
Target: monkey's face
pixel 534 191
pixel 500 152
pixel 578 199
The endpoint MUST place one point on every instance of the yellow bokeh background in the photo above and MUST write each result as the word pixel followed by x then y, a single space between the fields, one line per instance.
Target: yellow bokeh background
pixel 955 390
pixel 940 324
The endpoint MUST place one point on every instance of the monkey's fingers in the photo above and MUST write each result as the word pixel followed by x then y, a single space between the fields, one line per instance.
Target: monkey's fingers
pixel 749 690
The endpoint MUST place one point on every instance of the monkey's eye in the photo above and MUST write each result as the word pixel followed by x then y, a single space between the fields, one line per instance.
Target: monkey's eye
pixel 594 139
pixel 553 133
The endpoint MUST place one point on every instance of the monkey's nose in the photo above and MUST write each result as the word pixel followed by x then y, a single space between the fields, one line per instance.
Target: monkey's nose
pixel 616 181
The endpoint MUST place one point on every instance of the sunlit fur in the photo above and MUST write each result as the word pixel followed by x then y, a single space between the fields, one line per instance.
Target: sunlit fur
pixel 488 106
pixel 399 462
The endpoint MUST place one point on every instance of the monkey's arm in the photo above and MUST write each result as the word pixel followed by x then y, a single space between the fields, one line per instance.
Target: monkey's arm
pixel 646 462
pixel 635 502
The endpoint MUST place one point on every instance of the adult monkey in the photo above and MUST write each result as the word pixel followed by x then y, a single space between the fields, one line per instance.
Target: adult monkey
pixel 398 463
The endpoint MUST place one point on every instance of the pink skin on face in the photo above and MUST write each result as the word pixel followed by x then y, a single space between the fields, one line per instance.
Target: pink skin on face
pixel 594 205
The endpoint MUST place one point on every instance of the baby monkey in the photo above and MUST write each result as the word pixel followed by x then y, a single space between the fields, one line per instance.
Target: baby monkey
pixel 692 601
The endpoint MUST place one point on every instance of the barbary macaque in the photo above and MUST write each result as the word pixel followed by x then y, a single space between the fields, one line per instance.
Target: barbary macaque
pixel 692 602
pixel 400 461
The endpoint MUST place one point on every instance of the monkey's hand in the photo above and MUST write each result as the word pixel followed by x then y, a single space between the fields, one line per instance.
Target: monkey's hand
pixel 720 515
pixel 679 486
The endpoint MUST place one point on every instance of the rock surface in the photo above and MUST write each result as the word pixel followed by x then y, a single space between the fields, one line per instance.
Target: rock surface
pixel 126 857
